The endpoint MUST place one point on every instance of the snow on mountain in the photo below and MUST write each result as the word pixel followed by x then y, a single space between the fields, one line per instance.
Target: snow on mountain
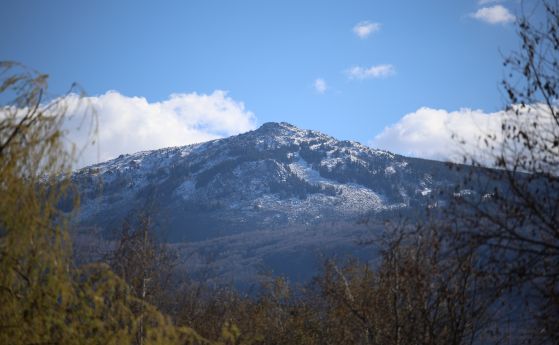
pixel 274 178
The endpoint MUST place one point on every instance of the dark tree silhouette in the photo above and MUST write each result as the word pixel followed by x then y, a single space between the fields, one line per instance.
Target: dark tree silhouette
pixel 514 222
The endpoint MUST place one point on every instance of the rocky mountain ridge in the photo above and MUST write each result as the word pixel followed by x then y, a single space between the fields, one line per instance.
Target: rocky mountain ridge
pixel 277 175
pixel 267 188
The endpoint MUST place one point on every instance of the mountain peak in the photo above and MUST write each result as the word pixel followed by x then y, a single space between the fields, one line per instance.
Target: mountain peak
pixel 272 134
pixel 276 178
pixel 278 126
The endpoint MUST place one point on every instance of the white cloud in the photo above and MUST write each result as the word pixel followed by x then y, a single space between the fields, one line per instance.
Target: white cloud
pixel 494 15
pixel 449 136
pixel 320 85
pixel 365 28
pixel 132 124
pixel 378 71
pixel 439 134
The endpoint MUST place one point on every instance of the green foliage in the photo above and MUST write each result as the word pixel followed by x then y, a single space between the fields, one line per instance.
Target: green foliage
pixel 35 285
pixel 423 290
pixel 43 298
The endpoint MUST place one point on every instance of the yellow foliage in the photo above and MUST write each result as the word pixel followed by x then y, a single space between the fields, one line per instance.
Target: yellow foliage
pixel 43 298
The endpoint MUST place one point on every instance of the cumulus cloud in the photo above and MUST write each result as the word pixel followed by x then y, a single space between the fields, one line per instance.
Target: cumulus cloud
pixel 378 71
pixel 439 134
pixel 494 15
pixel 365 28
pixel 320 85
pixel 450 136
pixel 132 124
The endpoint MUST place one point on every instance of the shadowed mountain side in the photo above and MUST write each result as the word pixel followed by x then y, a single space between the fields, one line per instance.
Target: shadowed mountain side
pixel 249 200
pixel 275 176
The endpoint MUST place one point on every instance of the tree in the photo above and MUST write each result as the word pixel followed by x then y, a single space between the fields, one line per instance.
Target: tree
pixel 142 260
pixel 34 245
pixel 514 223
pixel 43 298
pixel 145 264
pixel 419 293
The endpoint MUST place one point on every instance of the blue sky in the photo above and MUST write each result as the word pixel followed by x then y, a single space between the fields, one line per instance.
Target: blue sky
pixel 270 54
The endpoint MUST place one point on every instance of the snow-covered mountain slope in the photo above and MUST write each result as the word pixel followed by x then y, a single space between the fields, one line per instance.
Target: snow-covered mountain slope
pixel 274 177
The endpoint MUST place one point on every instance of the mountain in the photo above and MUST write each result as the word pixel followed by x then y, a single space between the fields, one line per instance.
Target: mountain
pixel 273 198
